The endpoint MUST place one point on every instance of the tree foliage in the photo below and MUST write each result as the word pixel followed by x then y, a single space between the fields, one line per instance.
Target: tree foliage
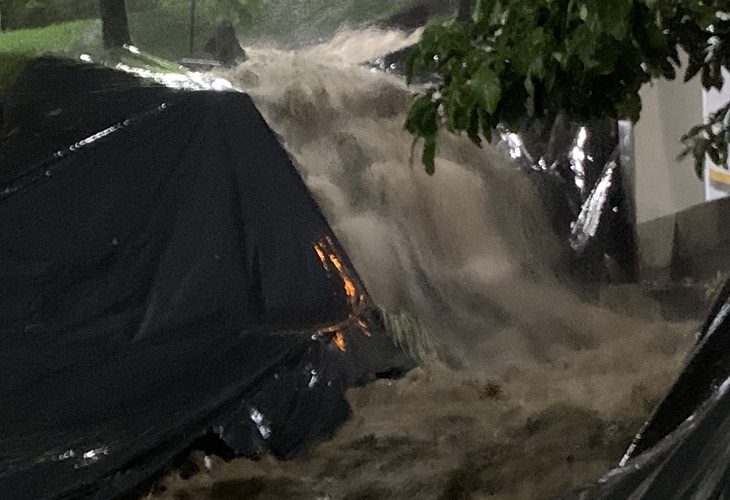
pixel 18 14
pixel 516 63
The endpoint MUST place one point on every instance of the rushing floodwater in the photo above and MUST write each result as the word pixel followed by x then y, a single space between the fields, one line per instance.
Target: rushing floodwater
pixel 536 393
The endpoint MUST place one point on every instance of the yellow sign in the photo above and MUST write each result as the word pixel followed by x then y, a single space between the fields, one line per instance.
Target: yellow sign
pixel 717 182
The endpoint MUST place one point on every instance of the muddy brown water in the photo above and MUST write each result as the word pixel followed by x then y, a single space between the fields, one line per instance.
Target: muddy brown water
pixel 543 390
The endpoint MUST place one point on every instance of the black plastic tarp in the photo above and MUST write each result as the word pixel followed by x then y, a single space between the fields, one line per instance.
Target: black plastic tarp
pixel 578 172
pixel 683 451
pixel 165 274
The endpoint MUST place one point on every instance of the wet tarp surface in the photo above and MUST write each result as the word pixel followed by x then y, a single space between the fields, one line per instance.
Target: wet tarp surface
pixel 165 273
pixel 578 170
pixel 683 451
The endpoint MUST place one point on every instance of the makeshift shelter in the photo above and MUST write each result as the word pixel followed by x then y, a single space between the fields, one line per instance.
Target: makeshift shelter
pixel 165 275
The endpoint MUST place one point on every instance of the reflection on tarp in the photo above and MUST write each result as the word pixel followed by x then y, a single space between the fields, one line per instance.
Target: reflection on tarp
pixel 683 451
pixel 586 226
pixel 165 275
pixel 357 299
pixel 576 169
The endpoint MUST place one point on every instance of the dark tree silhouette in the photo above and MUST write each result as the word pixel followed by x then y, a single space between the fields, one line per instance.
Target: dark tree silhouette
pixel 115 26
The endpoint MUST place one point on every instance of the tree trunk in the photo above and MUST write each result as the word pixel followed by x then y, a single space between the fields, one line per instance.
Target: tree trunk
pixel 115 26
pixel 191 47
pixel 464 10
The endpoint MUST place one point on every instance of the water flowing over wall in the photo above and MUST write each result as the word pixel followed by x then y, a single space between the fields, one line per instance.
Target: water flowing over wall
pixel 468 252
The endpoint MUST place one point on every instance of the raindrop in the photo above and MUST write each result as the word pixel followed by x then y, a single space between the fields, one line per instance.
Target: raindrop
pixel 91 457
pixel 265 431
pixel 66 455
pixel 258 419
pixel 256 416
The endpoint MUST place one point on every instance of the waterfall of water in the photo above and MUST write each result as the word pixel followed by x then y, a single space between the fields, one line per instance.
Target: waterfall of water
pixel 548 389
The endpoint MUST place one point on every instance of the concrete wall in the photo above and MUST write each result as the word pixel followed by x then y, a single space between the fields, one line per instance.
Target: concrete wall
pixel 679 234
pixel 693 243
pixel 663 185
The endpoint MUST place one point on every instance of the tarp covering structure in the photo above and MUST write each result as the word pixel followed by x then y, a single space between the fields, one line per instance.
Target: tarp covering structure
pixel 165 274
pixel 683 451
pixel 578 170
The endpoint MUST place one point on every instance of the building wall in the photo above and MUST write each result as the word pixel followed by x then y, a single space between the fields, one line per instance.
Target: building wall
pixel 663 185
pixel 680 235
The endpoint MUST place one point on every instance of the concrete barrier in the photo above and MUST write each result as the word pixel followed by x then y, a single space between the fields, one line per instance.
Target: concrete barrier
pixel 691 245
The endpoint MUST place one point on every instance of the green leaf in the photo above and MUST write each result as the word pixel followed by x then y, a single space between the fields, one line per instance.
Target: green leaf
pixel 529 85
pixel 525 61
pixel 411 66
pixel 715 156
pixel 486 87
pixel 700 146
pixel 423 117
pixel 700 166
pixel 473 128
pixel 584 45
pixel 630 108
pixel 609 16
pixel 429 155
pixel 486 125
pixel 583 12
pixel 485 8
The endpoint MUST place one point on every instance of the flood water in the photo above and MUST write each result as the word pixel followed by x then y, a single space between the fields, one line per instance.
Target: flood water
pixel 533 391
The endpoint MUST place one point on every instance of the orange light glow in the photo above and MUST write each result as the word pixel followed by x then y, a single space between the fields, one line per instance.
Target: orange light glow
pixel 356 299
pixel 327 255
pixel 350 290
pixel 322 256
pixel 363 327
pixel 339 341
